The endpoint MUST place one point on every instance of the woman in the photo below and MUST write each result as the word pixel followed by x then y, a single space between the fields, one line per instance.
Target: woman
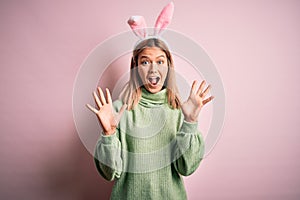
pixel 148 146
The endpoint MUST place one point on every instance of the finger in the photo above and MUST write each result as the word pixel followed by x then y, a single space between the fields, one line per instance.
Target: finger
pixel 201 87
pixel 208 100
pixel 206 91
pixel 99 104
pixel 102 98
pixel 108 96
pixel 193 87
pixel 94 110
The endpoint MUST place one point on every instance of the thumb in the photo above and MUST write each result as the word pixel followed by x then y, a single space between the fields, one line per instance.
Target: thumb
pixel 123 108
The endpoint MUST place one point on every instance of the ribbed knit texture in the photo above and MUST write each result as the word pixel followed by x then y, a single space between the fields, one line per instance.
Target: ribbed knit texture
pixel 152 147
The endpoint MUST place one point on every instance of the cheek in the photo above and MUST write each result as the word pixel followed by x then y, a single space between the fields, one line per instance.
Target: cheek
pixel 141 73
pixel 164 72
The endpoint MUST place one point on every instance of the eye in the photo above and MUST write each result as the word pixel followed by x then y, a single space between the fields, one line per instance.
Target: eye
pixel 145 62
pixel 160 62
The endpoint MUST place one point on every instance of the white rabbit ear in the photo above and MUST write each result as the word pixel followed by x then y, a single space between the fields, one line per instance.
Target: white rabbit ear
pixel 138 25
pixel 164 18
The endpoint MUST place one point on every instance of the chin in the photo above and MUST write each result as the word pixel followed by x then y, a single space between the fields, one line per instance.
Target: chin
pixel 153 90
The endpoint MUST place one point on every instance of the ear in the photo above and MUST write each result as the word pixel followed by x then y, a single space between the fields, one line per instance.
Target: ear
pixel 138 25
pixel 164 18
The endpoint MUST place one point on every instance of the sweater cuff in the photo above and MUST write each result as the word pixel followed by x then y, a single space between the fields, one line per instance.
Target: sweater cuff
pixel 108 139
pixel 189 127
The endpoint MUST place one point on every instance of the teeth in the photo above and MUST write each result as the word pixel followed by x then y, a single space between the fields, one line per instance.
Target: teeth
pixel 152 80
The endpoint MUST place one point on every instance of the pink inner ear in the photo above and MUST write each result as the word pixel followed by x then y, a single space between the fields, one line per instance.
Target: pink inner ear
pixel 138 25
pixel 164 18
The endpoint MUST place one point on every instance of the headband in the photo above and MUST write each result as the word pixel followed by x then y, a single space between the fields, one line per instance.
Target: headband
pixel 139 27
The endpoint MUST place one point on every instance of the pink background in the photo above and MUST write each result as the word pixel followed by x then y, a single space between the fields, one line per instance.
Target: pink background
pixel 254 44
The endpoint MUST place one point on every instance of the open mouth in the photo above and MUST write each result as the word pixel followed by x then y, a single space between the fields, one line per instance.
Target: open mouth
pixel 153 80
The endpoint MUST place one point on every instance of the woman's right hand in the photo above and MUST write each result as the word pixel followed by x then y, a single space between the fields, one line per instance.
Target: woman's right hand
pixel 107 117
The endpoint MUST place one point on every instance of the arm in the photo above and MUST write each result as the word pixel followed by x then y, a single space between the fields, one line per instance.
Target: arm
pixel 190 149
pixel 108 148
pixel 190 144
pixel 108 157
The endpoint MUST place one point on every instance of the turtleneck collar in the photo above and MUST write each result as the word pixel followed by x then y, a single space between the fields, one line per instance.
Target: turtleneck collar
pixel 149 99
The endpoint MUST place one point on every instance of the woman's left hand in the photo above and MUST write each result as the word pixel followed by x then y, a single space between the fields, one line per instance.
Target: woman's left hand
pixel 192 106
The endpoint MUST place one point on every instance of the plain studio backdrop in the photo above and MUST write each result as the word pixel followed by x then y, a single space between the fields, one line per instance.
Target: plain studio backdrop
pixel 255 46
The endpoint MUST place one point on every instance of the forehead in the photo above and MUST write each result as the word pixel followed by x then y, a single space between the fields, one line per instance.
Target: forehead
pixel 152 52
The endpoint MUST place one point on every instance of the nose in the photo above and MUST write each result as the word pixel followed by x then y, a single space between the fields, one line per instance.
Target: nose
pixel 153 68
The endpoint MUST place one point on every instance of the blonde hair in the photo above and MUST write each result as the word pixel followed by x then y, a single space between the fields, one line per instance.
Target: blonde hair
pixel 132 90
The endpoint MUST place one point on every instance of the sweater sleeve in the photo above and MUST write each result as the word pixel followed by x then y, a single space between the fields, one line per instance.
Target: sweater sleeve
pixel 190 148
pixel 108 157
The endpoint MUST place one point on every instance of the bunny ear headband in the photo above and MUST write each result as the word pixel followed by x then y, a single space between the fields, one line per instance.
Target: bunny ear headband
pixel 139 27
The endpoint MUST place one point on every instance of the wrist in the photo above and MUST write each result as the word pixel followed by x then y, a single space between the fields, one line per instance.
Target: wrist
pixel 111 131
pixel 190 119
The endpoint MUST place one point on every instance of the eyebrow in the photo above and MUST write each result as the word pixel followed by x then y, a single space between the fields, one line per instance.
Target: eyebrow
pixel 156 57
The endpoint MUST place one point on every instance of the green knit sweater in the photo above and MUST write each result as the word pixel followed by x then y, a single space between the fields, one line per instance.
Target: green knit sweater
pixel 152 147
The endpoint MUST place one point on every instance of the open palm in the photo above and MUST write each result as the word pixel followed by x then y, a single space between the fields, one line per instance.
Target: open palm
pixel 192 106
pixel 107 117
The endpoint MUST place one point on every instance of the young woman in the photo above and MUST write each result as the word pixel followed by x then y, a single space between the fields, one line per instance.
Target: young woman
pixel 149 137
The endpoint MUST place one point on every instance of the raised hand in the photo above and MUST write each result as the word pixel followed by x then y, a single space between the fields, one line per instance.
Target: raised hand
pixel 192 106
pixel 107 117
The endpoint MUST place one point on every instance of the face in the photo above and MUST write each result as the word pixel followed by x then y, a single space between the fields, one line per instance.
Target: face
pixel 153 68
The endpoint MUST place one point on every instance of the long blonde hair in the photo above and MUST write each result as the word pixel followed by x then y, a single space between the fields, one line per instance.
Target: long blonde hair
pixel 132 91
